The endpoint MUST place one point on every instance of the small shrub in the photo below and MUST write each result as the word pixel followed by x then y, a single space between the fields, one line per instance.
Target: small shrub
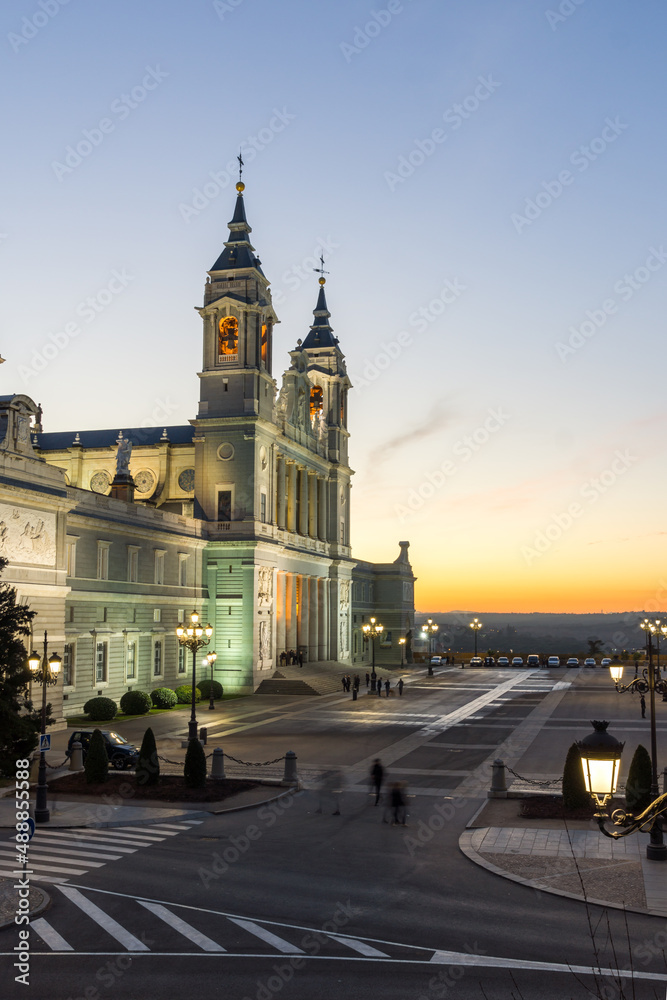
pixel 135 703
pixel 163 698
pixel 638 786
pixel 184 694
pixel 148 765
pixel 194 770
pixel 100 709
pixel 96 765
pixel 205 688
pixel 575 795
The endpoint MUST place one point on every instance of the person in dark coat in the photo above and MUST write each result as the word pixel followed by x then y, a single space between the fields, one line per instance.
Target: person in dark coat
pixel 379 687
pixel 300 658
pixel 400 687
pixel 377 777
pixel 387 685
pixel 343 681
pixel 368 680
pixel 357 682
pixel 398 803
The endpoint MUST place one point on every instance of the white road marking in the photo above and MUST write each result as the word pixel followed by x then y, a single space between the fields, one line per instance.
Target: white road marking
pixel 76 852
pixel 359 946
pixel 84 844
pixel 203 942
pixel 261 932
pixel 488 962
pixel 40 867
pixel 110 925
pixel 36 856
pixel 140 834
pixel 49 935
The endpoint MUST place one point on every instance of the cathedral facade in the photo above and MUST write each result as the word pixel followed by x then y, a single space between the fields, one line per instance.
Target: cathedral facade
pixel 243 514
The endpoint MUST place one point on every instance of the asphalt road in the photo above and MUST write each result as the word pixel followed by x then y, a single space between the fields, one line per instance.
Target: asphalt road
pixel 285 901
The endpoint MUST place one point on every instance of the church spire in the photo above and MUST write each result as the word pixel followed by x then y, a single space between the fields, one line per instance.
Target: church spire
pixel 321 332
pixel 239 251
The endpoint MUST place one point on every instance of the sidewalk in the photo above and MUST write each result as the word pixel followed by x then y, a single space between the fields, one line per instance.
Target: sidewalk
pixel 573 859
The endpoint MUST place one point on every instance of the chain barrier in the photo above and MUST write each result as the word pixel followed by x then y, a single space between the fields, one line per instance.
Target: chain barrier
pixel 531 781
pixel 246 763
pixel 54 767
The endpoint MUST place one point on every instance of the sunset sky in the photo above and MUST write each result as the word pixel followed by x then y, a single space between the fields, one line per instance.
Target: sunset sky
pixel 486 183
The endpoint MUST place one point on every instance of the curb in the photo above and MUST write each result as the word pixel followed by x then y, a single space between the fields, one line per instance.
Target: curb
pixel 43 905
pixel 466 847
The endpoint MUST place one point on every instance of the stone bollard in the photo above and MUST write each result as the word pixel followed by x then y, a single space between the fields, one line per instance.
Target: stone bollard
pixel 203 735
pixel 354 694
pixel 430 671
pixel 498 788
pixel 218 763
pixel 289 777
pixel 76 757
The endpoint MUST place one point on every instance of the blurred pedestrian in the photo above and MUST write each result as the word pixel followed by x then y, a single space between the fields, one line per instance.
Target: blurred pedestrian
pixel 330 786
pixel 368 680
pixel 400 687
pixel 356 682
pixel 387 685
pixel 379 687
pixel 398 803
pixel 377 777
pixel 642 704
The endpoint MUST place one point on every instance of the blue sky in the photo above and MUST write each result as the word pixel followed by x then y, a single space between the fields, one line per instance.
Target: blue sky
pixel 481 107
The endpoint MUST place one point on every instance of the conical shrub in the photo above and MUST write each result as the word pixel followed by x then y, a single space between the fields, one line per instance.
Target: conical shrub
pixel 96 766
pixel 194 771
pixel 148 765
pixel 638 785
pixel 575 795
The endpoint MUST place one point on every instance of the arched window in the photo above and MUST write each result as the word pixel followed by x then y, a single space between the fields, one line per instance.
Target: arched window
pixel 228 337
pixel 315 401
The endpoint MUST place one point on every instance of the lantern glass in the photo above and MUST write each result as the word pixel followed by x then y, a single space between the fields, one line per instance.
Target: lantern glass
pixel 209 631
pixel 194 618
pixel 34 661
pixel 601 777
pixel 55 663
pixel 179 631
pixel 616 671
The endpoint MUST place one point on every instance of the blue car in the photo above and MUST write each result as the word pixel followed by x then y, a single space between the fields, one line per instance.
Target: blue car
pixel 121 754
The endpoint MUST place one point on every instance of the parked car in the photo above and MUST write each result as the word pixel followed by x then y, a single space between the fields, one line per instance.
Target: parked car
pixel 489 661
pixel 436 661
pixel 590 662
pixel 503 661
pixel 121 754
pixel 476 661
pixel 573 662
pixel 553 661
pixel 533 660
pixel 606 662
pixel 517 661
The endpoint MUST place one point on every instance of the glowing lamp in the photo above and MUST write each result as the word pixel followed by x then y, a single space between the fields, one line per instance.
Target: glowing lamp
pixel 34 662
pixel 616 671
pixel 601 761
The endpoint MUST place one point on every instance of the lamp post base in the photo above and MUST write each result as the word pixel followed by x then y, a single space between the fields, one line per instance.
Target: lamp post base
pixel 656 852
pixel 192 729
pixel 42 815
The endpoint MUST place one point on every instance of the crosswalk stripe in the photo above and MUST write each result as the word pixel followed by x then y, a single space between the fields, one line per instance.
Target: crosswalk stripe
pixel 203 942
pixel 179 827
pixel 284 946
pixel 359 946
pixel 128 841
pixel 36 856
pixel 110 925
pixel 77 852
pixel 35 877
pixel 39 866
pixel 84 844
pixel 141 838
pixel 49 935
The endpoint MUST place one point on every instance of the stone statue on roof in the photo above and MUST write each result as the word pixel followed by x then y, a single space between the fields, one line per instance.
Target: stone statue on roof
pixel 123 456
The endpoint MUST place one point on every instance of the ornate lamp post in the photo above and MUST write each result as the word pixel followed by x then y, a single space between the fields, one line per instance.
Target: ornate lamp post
pixel 211 658
pixel 49 670
pixel 428 632
pixel 194 636
pixel 371 630
pixel 475 625
pixel 401 643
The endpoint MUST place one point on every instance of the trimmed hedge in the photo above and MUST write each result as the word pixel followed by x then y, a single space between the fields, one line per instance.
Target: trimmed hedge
pixel 575 795
pixel 135 703
pixel 100 709
pixel 194 771
pixel 184 694
pixel 163 698
pixel 96 765
pixel 638 786
pixel 147 770
pixel 205 688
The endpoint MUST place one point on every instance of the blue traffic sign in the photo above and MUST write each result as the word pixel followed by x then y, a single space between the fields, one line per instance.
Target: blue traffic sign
pixel 45 742
pixel 31 827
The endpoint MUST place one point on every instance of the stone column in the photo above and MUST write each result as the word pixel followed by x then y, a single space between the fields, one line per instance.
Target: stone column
pixel 313 622
pixel 322 508
pixel 281 492
pixel 290 611
pixel 312 505
pixel 280 615
pixel 302 627
pixel 303 501
pixel 323 618
pixel 291 496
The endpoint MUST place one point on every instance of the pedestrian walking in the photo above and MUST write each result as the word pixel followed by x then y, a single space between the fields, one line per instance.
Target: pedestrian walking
pixel 343 681
pixel 368 680
pixel 400 687
pixel 642 703
pixel 330 787
pixel 387 685
pixel 300 657
pixel 398 803
pixel 357 682
pixel 377 777
pixel 379 687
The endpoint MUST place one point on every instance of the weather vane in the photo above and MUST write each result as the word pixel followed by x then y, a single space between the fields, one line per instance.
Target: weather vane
pixel 320 270
pixel 240 159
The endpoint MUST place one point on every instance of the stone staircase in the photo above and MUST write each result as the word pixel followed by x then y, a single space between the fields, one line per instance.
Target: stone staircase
pixel 285 685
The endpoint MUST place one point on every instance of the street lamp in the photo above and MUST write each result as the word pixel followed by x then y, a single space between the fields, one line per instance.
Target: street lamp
pixel 194 636
pixel 428 632
pixel 371 630
pixel 401 643
pixel 475 625
pixel 49 670
pixel 211 658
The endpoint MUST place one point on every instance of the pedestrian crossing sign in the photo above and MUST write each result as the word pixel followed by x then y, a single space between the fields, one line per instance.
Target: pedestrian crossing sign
pixel 45 742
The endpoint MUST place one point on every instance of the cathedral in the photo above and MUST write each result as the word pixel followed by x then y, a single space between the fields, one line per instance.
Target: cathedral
pixel 115 536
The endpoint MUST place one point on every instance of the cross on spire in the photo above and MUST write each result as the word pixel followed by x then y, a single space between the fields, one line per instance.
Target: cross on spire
pixel 320 270
pixel 241 164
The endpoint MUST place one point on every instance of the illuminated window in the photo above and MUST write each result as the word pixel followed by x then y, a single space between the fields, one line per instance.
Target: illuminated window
pixel 228 337
pixel 158 567
pixel 131 659
pixel 103 560
pixel 225 505
pixel 181 659
pixel 315 401
pixel 157 657
pixel 265 343
pixel 69 663
pixel 101 657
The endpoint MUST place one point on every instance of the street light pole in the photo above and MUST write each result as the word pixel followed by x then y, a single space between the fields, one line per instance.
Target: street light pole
pixel 211 657
pixel 194 636
pixel 656 849
pixel 475 625
pixel 371 630
pixel 401 643
pixel 49 670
